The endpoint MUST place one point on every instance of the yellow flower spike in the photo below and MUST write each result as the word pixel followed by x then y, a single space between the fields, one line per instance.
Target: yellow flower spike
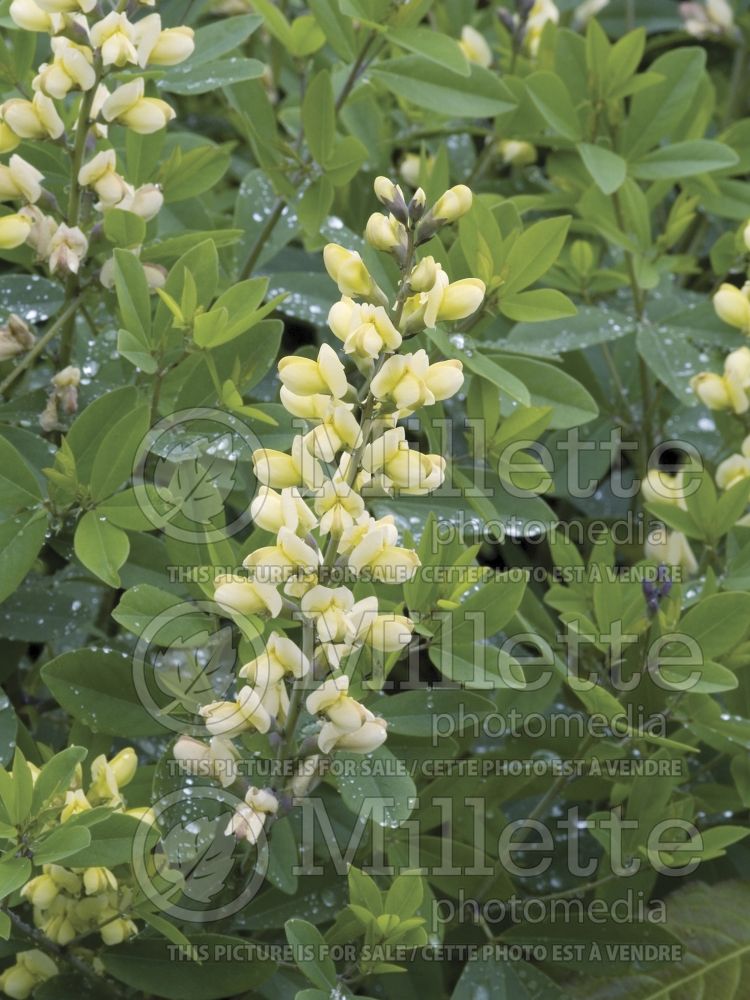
pixel 385 233
pixel 350 273
pixel 215 759
pixel 388 633
pixel 733 307
pixel 516 152
pixel 671 548
pixel 124 765
pixel 271 511
pixel 75 803
pixel 281 657
pixel 167 47
pixel 249 817
pixel 230 718
pixel 35 119
pixel 31 17
pixel 128 106
pixel 338 507
pixel 117 931
pixel 366 331
pixel 664 487
pixel 454 203
pixel 279 469
pixel 306 377
pixel 71 68
pixel 41 891
pixel 290 556
pixel 732 470
pixel 461 299
pixel 14 231
pixel 474 46
pixel 98 880
pixel 379 558
pixel 712 390
pixel 328 608
pixel 246 597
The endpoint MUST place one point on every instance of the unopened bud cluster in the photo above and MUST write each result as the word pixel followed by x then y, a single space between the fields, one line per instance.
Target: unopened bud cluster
pixel 312 500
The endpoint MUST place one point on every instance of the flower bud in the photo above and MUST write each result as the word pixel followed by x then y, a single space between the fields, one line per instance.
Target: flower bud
pixel 711 389
pixel 129 107
pixel 14 229
pixel 8 138
pixel 454 203
pixel 348 270
pixel 35 119
pixel 516 153
pixel 30 16
pixel 173 46
pixel 732 306
pixel 306 377
pixel 19 180
pixel 391 195
pixel 246 597
pixel 474 46
pixel 732 470
pixel 385 233
pixel 461 299
pixel 68 247
pixel 422 278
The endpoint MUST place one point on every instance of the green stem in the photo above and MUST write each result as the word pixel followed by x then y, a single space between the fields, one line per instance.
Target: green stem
pixel 72 285
pixel 39 346
pixel 277 211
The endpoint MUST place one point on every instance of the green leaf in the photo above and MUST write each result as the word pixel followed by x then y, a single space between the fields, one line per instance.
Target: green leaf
pixel 116 455
pixel 533 253
pixel 21 538
pixel 496 979
pixel 433 45
pixel 222 36
pixel 310 953
pixel 97 687
pixel 14 872
pixel 711 925
pixel 422 82
pixel 671 357
pixel 124 229
pixel 30 296
pixel 101 547
pixel 149 966
pixel 571 404
pixel 378 778
pixel 19 488
pixel 718 623
pixel 656 112
pixel 319 116
pixel 185 175
pixel 345 161
pixel 607 168
pixel 684 159
pixel 206 78
pixel 537 306
pixel 132 295
pixel 553 102
pixel 419 714
pixel 61 843
pixel 93 424
pixel 55 776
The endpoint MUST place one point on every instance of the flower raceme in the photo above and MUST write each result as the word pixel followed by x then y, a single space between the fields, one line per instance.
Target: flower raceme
pixel 311 502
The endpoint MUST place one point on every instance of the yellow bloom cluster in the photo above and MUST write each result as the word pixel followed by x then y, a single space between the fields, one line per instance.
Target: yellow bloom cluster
pixel 729 391
pixel 30 969
pixel 70 902
pixel 85 49
pixel 312 499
